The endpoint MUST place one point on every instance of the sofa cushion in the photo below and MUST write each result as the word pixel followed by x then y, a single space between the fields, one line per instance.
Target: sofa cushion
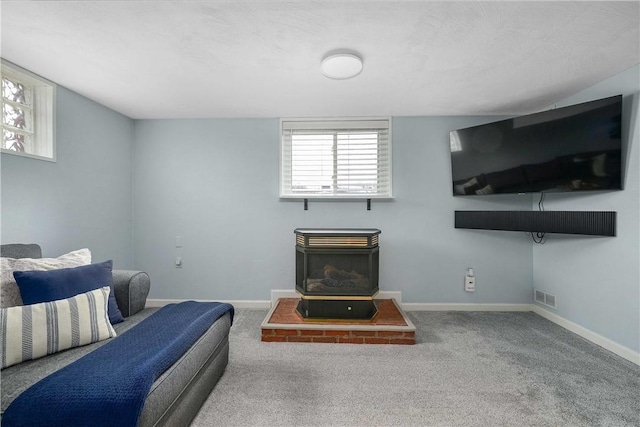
pixel 42 286
pixel 123 371
pixel 17 378
pixel 32 331
pixel 9 292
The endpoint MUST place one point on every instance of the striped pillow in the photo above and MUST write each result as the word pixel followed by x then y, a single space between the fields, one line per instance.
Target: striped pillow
pixel 32 331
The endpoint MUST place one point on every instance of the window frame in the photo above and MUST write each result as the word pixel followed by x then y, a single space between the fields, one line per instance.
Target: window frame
pixel 44 112
pixel 324 125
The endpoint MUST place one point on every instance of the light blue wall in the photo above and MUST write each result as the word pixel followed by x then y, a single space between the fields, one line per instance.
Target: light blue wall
pixel 214 182
pixel 83 199
pixel 597 280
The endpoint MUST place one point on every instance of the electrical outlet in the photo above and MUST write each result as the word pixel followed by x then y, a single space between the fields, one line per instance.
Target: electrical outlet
pixel 469 281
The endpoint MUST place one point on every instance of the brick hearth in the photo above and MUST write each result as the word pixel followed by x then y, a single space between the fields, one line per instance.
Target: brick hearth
pixel 389 326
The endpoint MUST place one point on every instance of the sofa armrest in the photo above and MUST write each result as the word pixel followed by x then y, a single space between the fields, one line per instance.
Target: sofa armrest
pixel 131 289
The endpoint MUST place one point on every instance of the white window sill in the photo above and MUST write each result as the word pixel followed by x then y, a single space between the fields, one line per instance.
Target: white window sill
pixel 316 198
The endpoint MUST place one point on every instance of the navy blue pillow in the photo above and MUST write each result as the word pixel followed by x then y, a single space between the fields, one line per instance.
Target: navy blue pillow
pixel 44 286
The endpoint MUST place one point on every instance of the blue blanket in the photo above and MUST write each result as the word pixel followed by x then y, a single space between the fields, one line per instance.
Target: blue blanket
pixel 109 385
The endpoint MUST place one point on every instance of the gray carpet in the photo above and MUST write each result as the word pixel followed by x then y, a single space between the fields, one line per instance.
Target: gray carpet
pixel 468 369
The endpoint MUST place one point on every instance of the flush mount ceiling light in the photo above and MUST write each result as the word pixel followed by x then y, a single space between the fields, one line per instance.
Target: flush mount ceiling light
pixel 341 66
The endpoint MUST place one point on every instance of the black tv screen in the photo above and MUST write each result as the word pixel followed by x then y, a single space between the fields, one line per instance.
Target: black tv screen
pixel 575 148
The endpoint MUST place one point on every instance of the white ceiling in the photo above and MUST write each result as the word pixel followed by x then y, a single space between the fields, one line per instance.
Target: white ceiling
pixel 178 59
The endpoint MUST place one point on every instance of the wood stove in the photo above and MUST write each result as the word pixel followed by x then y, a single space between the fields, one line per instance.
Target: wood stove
pixel 337 272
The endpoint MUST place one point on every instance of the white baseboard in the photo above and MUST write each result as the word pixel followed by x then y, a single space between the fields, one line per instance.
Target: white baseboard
pixel 276 294
pixel 255 304
pixel 394 295
pixel 595 338
pixel 465 307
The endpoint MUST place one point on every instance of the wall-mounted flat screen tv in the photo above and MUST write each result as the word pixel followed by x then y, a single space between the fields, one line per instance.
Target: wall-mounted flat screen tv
pixel 575 148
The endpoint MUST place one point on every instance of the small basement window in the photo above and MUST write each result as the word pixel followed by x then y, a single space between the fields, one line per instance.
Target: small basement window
pixel 28 114
pixel 335 159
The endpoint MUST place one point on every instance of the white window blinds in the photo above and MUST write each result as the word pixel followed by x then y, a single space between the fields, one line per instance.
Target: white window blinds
pixel 336 158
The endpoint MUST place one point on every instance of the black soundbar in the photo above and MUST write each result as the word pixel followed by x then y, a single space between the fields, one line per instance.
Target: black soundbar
pixel 565 222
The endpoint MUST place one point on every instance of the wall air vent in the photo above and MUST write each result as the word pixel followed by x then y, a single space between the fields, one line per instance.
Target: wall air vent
pixel 544 298
pixel 550 300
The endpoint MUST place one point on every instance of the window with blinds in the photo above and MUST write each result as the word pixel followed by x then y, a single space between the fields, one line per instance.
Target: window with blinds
pixel 336 158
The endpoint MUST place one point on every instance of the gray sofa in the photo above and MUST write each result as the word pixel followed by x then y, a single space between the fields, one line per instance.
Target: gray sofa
pixel 176 396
